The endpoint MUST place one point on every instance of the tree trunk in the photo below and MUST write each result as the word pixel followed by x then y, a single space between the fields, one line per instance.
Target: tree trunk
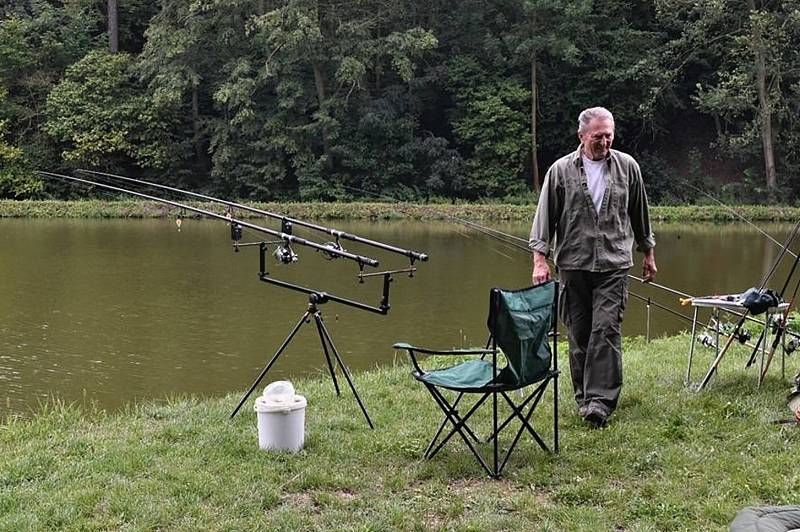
pixel 198 148
pixel 534 109
pixel 319 82
pixel 764 108
pixel 113 27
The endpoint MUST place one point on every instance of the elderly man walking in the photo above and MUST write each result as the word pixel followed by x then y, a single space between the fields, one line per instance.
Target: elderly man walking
pixel 592 208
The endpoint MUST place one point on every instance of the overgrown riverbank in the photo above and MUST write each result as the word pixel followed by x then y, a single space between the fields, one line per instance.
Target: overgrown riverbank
pixel 376 211
pixel 670 460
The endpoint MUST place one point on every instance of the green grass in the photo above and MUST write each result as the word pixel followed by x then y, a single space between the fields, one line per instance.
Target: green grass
pixel 670 460
pixel 375 211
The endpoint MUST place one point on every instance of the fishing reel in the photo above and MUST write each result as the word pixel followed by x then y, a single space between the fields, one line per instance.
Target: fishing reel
pixel 792 345
pixel 743 336
pixel 707 340
pixel 332 246
pixel 777 323
pixel 285 254
pixel 236 235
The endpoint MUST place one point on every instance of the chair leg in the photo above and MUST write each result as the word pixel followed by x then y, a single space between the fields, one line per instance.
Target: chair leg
pixel 518 412
pixel 450 415
pixel 443 424
pixel 495 443
pixel 519 433
pixel 458 424
pixel 534 395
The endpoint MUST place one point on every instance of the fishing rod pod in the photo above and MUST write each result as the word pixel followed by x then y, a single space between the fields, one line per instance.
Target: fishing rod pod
pixel 286 255
pixel 335 233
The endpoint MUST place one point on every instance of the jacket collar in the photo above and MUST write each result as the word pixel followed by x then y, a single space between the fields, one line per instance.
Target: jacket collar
pixel 575 158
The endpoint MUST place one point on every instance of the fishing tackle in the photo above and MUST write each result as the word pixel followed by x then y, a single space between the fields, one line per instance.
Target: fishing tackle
pixel 707 340
pixel 285 254
pixel 792 345
pixel 410 254
pixel 335 245
pixel 715 364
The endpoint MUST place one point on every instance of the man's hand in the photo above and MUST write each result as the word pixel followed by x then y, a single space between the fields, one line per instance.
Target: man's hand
pixel 649 269
pixel 541 271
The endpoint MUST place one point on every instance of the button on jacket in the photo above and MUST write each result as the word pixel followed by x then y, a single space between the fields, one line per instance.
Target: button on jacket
pixel 584 238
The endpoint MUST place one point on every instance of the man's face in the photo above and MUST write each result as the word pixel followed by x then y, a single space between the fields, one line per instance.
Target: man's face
pixel 597 139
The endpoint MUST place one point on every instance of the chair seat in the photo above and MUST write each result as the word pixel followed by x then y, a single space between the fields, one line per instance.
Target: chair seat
pixel 469 375
pixel 472 376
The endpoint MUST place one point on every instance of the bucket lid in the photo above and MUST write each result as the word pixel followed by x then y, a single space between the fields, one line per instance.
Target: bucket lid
pixel 279 396
pixel 794 400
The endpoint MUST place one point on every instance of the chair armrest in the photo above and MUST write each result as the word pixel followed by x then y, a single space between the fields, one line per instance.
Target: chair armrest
pixel 454 352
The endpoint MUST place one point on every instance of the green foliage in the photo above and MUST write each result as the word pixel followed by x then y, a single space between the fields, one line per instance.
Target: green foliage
pixel 318 100
pixel 491 125
pixel 38 41
pixel 16 178
pixel 100 113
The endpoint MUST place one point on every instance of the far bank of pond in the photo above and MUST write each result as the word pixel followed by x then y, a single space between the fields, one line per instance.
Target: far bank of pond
pixel 378 211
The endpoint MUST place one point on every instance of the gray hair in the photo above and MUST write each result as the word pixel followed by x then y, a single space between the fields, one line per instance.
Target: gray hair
pixel 593 112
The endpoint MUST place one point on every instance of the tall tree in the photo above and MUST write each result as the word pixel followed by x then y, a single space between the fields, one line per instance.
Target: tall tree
pixel 113 27
pixel 38 41
pixel 748 51
pixel 548 29
pixel 104 117
pixel 338 58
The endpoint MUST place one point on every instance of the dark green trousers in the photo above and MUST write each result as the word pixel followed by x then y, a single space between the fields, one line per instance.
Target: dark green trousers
pixel 591 307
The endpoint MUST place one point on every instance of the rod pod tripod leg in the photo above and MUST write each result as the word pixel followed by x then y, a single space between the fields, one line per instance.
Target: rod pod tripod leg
pixel 327 348
pixel 303 319
pixel 325 337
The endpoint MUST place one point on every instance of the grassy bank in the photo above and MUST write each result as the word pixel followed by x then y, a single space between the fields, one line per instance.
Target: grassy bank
pixel 670 460
pixel 375 211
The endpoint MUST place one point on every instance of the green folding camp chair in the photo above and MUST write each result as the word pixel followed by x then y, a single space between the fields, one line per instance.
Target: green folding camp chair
pixel 522 323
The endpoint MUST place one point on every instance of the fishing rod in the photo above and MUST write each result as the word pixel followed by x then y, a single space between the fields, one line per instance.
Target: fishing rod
pixel 715 364
pixel 336 234
pixel 781 329
pixel 287 238
pixel 522 245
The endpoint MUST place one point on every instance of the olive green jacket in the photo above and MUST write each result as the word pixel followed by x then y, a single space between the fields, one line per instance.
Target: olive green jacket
pixel 584 239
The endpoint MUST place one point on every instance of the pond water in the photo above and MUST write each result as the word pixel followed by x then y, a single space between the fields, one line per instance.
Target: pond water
pixel 115 311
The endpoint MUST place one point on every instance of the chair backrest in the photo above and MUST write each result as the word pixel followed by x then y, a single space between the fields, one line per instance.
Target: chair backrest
pixel 519 321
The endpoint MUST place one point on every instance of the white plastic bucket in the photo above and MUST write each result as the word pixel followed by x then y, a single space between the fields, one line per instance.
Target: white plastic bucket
pixel 281 418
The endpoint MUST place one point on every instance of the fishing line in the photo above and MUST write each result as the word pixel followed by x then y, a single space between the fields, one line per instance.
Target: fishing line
pixel 521 244
pixel 733 211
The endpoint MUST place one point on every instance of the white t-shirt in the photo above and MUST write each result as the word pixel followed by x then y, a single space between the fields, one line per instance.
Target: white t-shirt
pixel 595 179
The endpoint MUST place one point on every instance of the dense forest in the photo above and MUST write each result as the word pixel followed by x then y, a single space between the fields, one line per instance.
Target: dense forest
pixel 329 99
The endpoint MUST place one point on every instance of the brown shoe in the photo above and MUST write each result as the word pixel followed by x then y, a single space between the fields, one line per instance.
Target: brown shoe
pixel 595 415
